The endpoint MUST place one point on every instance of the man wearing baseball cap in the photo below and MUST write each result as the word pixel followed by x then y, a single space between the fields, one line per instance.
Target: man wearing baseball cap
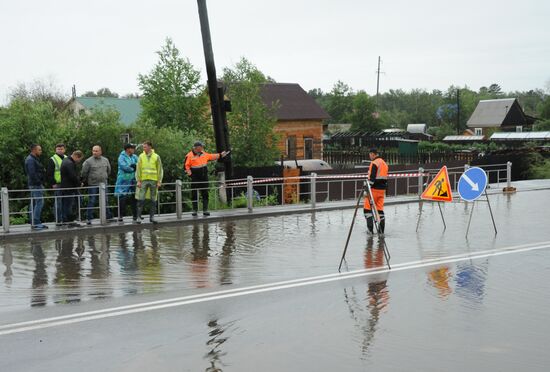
pixel 196 166
pixel 126 181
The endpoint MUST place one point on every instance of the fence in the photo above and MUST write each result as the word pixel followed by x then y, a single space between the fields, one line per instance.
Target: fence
pixel 355 157
pixel 176 198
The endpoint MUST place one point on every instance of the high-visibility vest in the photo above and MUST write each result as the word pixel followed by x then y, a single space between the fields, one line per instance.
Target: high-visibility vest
pixel 149 167
pixel 380 179
pixel 57 172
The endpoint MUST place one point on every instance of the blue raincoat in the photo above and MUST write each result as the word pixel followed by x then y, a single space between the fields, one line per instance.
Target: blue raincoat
pixel 126 177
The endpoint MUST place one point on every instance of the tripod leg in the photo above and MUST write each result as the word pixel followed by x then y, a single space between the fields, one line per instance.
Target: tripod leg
pixel 350 230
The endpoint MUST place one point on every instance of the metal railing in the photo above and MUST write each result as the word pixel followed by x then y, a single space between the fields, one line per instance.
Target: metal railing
pixel 178 197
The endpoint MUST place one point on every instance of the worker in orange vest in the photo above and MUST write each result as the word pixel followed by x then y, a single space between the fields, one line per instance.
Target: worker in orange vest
pixel 378 180
pixel 196 162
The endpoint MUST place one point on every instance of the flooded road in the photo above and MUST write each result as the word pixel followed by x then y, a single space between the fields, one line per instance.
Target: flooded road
pixel 484 312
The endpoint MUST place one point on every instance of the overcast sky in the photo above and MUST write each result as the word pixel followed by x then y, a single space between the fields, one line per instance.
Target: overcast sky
pixel 428 44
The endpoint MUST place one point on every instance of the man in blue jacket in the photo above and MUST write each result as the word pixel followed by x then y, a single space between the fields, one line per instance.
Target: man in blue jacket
pixel 125 188
pixel 35 180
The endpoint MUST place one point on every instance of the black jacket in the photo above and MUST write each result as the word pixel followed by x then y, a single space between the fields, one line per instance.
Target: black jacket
pixel 34 171
pixel 69 175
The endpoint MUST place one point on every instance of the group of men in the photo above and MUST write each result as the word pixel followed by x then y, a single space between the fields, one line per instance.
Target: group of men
pixel 138 179
pixel 146 172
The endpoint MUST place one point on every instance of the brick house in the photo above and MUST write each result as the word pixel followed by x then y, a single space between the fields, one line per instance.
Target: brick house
pixel 299 120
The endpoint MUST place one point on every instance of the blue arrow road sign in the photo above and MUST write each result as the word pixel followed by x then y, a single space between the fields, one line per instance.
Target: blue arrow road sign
pixel 472 184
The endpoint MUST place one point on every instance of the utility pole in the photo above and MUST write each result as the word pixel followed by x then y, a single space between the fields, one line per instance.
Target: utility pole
pixel 377 82
pixel 216 93
pixel 458 111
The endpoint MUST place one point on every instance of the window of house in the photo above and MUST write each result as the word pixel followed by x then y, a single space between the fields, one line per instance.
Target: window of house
pixel 519 129
pixel 478 132
pixel 291 147
pixel 308 148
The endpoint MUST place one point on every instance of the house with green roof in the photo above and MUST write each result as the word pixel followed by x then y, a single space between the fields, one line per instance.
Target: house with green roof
pixel 129 108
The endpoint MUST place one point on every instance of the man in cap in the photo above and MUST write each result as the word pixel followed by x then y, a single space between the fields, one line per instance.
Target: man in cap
pixel 378 181
pixel 196 166
pixel 125 187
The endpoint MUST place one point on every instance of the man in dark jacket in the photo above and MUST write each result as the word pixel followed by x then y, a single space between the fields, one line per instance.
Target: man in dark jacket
pixel 35 180
pixel 53 178
pixel 70 182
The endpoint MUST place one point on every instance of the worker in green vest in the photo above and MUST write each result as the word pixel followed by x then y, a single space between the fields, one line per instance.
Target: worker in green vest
pixel 53 178
pixel 149 175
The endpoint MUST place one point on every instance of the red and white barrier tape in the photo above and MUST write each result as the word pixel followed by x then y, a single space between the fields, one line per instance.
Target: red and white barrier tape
pixel 335 177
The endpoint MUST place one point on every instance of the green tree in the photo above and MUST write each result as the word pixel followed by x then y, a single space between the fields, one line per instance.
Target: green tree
pixel 251 122
pixel 363 113
pixel 22 123
pixel 172 93
pixel 340 103
pixel 103 92
pixel 544 108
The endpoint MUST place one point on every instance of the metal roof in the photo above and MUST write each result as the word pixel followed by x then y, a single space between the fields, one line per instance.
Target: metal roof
pixel 463 138
pixel 417 128
pixel 293 103
pixel 521 136
pixel 129 108
pixel 493 113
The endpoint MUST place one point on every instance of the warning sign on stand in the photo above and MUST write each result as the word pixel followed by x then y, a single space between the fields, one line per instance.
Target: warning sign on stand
pixel 440 188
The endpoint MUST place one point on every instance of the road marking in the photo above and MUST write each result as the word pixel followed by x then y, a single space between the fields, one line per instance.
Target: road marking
pixel 244 291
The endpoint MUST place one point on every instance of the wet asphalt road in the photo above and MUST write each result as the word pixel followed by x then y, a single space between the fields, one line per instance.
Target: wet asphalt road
pixel 486 311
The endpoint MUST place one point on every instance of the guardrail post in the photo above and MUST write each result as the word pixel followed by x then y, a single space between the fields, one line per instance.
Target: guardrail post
pixel 420 181
pixel 509 175
pixel 178 199
pixel 102 204
pixel 5 210
pixel 313 189
pixel 249 193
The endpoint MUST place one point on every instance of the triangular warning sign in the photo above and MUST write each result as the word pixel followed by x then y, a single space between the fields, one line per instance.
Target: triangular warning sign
pixel 440 188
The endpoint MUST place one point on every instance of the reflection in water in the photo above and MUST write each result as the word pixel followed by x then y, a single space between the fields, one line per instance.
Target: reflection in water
pixel 470 280
pixel 377 296
pixel 68 266
pixel 127 259
pixel 7 259
pixel 100 270
pixel 40 276
pixel 214 344
pixel 201 247
pixel 227 252
pixel 148 259
pixel 439 278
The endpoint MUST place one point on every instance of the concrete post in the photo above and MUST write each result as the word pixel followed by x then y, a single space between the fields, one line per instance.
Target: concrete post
pixel 313 189
pixel 420 181
pixel 509 175
pixel 102 204
pixel 5 210
pixel 249 193
pixel 178 199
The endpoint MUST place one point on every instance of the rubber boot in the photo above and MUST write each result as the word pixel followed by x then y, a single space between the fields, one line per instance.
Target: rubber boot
pixel 370 221
pixel 152 211
pixel 382 221
pixel 139 208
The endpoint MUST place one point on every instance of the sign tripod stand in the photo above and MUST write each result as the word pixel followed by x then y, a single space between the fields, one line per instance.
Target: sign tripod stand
pixel 471 185
pixel 376 220
pixel 439 190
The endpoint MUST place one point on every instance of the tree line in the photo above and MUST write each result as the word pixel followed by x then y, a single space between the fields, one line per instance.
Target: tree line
pixel 175 113
pixel 440 110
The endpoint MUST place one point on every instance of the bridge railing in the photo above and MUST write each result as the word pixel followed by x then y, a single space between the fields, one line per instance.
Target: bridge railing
pixel 175 199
